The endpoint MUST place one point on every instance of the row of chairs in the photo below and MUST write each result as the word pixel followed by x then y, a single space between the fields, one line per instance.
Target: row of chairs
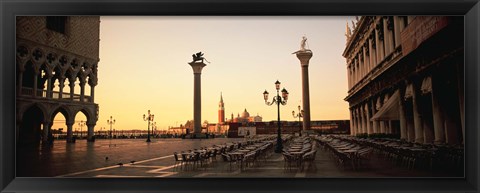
pixel 346 153
pixel 204 156
pixel 253 157
pixel 414 155
pixel 195 158
pixel 301 151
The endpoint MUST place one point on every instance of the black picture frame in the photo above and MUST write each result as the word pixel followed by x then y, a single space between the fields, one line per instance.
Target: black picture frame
pixel 9 9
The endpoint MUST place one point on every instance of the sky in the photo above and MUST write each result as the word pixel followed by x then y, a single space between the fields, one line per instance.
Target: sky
pixel 144 66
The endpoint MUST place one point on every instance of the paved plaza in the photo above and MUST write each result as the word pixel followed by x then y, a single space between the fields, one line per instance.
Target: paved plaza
pixel 156 159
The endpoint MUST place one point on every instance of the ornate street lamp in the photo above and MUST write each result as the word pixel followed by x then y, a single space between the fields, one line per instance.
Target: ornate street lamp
pixel 81 124
pixel 148 118
pixel 111 122
pixel 277 100
pixel 299 115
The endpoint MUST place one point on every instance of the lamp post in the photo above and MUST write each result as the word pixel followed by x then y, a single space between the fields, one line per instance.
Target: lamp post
pixel 111 122
pixel 81 124
pixel 277 100
pixel 299 115
pixel 148 118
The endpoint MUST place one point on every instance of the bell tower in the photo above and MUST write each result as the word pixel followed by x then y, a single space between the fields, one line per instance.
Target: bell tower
pixel 221 110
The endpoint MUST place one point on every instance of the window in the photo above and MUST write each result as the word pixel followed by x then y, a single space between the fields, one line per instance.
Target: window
pixel 57 23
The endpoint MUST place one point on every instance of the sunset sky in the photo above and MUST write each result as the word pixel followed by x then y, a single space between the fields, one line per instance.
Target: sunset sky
pixel 144 66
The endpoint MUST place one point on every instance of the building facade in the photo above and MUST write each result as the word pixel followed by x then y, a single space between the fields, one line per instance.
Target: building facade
pixel 57 60
pixel 406 78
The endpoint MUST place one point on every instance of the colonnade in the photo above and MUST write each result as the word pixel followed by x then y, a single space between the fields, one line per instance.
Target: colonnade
pixel 429 111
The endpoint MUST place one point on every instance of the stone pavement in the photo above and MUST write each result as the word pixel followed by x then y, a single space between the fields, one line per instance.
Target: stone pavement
pixel 324 167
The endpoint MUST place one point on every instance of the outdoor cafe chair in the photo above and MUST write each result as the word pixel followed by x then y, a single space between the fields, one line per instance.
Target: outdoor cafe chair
pixel 309 158
pixel 179 161
pixel 227 158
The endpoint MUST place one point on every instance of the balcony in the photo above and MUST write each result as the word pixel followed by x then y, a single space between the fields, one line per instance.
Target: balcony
pixel 28 92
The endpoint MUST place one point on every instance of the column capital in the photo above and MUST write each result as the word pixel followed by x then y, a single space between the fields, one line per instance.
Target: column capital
pixel 304 57
pixel 197 67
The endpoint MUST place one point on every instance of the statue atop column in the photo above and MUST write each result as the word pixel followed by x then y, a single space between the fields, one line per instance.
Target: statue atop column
pixel 198 57
pixel 303 46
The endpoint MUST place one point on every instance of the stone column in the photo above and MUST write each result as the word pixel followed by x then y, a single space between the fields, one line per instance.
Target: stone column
pixel 402 117
pixel 355 121
pixel 354 73
pixel 428 131
pixel 438 121
pixel 365 118
pixel 197 96
pixel 91 133
pixel 362 121
pixel 70 132
pixel 61 84
pixel 373 51
pixel 397 29
pixel 72 88
pixel 82 90
pixel 49 87
pixel 46 130
pixel 366 61
pixel 304 57
pixel 352 130
pixel 410 128
pixel 375 123
pixel 417 117
pixel 379 43
pixel 371 54
pixel 388 37
pixel 369 123
pixel 92 94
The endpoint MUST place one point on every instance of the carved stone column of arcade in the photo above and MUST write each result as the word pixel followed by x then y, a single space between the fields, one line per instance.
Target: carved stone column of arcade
pixel 359 122
pixel 72 87
pixel 380 123
pixel 70 131
pixel 304 57
pixel 417 117
pixel 197 96
pixel 82 89
pixel 49 85
pixel 402 116
pixel 354 123
pixel 46 129
pixel 90 135
pixel 369 123
pixel 61 84
pixel 352 131
pixel 362 118
pixel 374 110
pixel 92 93
pixel 438 120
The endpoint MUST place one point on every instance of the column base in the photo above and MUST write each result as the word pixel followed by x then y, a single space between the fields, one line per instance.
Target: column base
pixel 71 140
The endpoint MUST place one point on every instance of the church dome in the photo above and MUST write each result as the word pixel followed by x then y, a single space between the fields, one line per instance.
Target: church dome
pixel 245 114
